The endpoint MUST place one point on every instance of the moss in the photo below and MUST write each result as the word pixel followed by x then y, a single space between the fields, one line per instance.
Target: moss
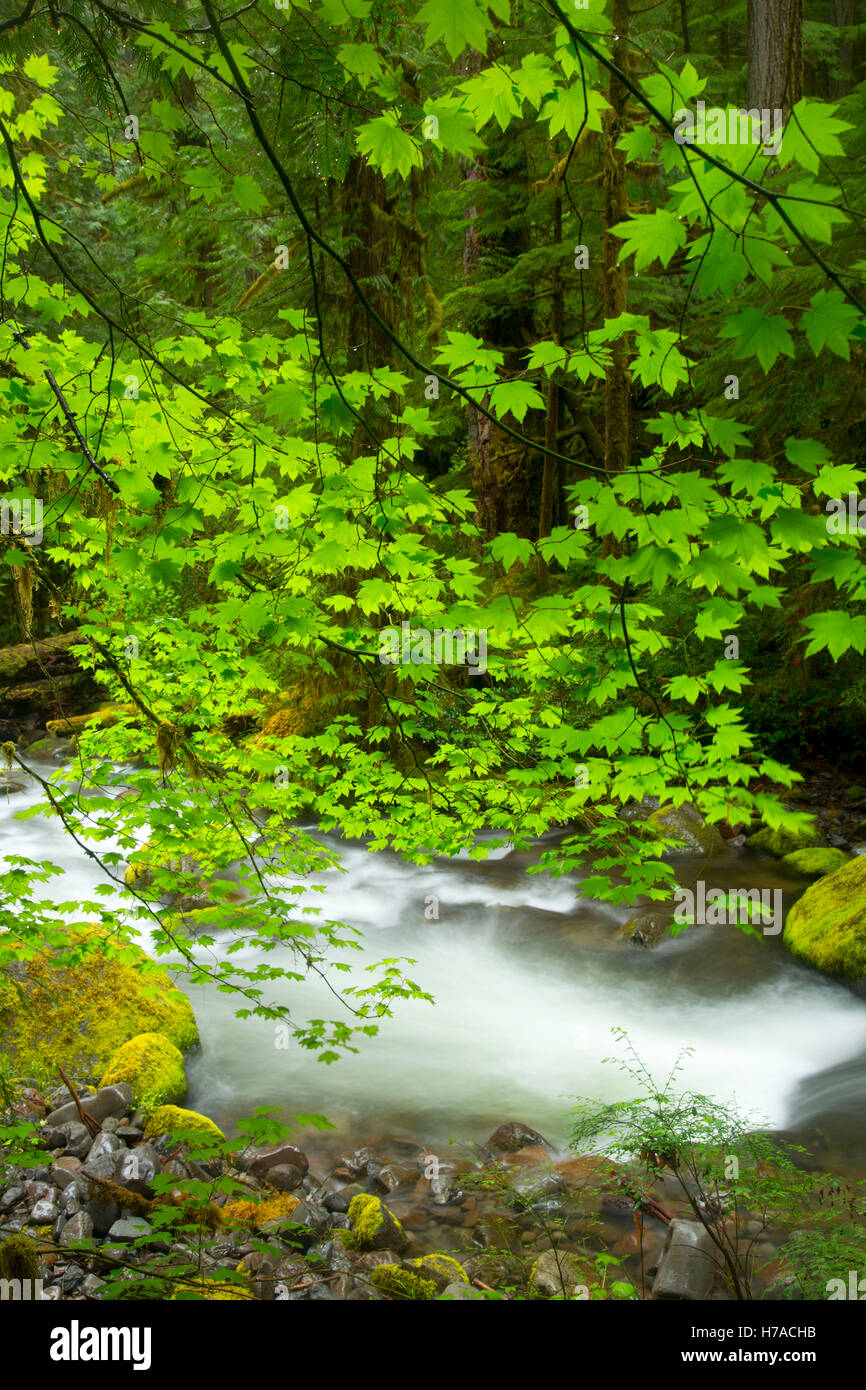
pixel 168 1119
pixel 827 926
pixel 272 1207
pixel 102 718
pixel 687 827
pixel 402 1283
pixel 815 862
pixel 216 1290
pixel 782 842
pixel 18 1258
pixel 153 1066
pixel 77 1004
pixel 441 1269
pixel 347 1238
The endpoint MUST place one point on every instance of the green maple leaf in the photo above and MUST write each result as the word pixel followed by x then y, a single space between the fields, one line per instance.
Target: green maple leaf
pixel 835 632
pixel 828 323
pixel 760 335
pixel 812 132
pixel 651 236
pixel 459 23
pixel 384 143
pixel 248 195
pixel 515 398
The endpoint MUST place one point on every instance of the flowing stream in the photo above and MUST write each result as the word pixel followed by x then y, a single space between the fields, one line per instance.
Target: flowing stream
pixel 528 979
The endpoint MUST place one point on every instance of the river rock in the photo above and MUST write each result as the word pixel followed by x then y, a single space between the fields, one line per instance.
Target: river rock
pixel 285 1177
pixel 555 1275
pixel 259 1161
pixel 531 1186
pixel 130 1228
pixel 78 1139
pixel 137 1168
pixel 687 827
pixel 687 1268
pixel 104 1144
pixel 514 1135
pixel 827 925
pixel 394 1175
pixel 649 927
pixel 44 1212
pixel 103 1212
pixel 109 1101
pixel 782 842
pixel 78 1227
pixel 815 863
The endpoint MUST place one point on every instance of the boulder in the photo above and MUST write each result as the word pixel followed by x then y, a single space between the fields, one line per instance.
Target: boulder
pixel 111 1101
pixel 514 1135
pixel 781 842
pixel 649 927
pixel 556 1275
pixel 152 1066
pixel 259 1161
pixel 687 1268
pixel 815 863
pixel 76 1004
pixel 687 827
pixel 374 1227
pixel 827 925
pixel 171 1119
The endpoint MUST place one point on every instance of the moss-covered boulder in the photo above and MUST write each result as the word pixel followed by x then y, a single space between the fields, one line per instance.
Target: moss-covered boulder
pixel 103 717
pixel 827 926
pixel 76 1004
pixel 441 1270
pixel 815 863
pixel 399 1283
pixel 153 1067
pixel 171 1119
pixel 781 842
pixel 687 827
pixel 374 1227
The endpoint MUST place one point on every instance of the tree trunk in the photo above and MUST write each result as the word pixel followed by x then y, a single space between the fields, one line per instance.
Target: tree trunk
pixel 775 54
pixel 616 386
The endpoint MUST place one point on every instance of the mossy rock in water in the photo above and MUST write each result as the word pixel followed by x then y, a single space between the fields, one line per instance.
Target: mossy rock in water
pixel 373 1225
pixel 827 926
pixel 816 862
pixel 781 842
pixel 75 1005
pixel 442 1270
pixel 49 747
pixel 101 718
pixel 401 1283
pixel 153 1066
pixel 171 1119
pixel 686 825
